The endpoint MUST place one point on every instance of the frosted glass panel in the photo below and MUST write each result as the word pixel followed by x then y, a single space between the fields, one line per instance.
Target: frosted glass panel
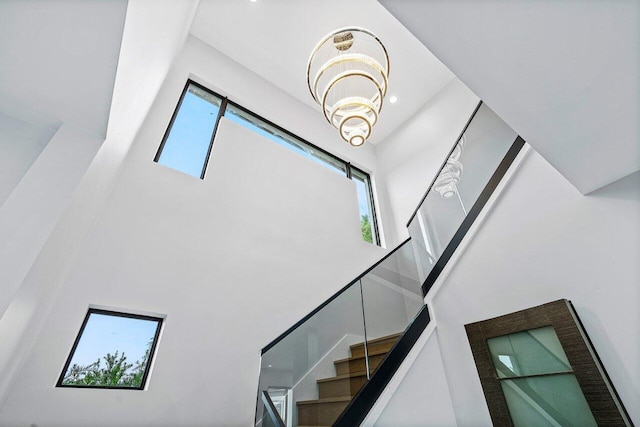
pixel 555 400
pixel 537 351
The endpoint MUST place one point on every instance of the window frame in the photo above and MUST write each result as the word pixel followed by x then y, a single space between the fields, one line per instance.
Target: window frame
pixel 167 133
pixel 297 141
pixel 152 350
pixel 601 396
pixel 368 184
pixel 289 137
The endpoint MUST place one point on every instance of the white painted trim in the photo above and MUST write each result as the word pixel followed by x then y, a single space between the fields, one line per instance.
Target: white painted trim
pixel 127 311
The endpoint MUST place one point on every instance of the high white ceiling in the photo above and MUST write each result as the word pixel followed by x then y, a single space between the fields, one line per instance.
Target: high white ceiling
pixel 58 60
pixel 274 38
pixel 564 75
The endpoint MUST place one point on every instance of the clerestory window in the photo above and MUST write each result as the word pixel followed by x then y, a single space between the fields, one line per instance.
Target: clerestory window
pixel 112 350
pixel 187 145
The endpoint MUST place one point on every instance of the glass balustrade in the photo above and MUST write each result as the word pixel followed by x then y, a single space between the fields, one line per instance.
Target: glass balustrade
pixel 323 362
pixel 392 297
pixel 310 374
pixel 458 186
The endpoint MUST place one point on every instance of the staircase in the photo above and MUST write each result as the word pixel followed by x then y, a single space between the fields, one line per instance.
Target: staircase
pixel 335 393
pixel 391 292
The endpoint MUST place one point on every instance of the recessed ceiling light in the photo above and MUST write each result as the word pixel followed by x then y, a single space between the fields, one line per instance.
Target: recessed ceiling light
pixel 393 99
pixel 253 1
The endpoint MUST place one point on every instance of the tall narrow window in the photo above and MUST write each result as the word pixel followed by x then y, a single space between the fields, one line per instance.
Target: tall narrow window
pixel 365 206
pixel 188 140
pixel 112 350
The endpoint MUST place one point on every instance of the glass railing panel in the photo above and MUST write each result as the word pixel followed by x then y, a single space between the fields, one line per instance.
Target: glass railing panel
pixel 441 217
pixel 423 251
pixel 392 297
pixel 487 140
pixel 293 366
pixel 311 373
pixel 458 185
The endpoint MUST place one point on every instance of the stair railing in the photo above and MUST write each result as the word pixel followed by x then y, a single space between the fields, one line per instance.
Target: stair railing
pixel 482 154
pixel 326 361
pixel 380 302
pixel 271 416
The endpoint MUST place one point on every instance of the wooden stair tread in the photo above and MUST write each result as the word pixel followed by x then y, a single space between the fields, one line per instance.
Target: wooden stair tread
pixel 325 400
pixel 393 337
pixel 370 353
pixel 335 393
pixel 343 377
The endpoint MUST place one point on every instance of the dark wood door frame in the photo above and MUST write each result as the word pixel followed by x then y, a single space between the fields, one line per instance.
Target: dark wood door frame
pixel 601 397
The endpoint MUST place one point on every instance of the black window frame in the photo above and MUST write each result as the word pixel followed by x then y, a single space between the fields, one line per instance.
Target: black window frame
pixel 152 351
pixel 221 109
pixel 374 218
pixel 335 163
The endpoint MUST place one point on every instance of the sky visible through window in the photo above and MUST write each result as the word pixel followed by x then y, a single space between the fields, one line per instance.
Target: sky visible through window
pixel 236 118
pixel 188 143
pixel 107 334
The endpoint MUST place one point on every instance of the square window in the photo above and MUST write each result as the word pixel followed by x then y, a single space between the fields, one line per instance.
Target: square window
pixel 112 350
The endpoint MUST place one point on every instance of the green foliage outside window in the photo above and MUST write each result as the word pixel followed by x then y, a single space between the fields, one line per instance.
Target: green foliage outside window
pixel 115 372
pixel 365 225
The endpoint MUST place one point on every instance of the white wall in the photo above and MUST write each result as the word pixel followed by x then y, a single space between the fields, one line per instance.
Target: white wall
pixel 35 205
pixel 543 241
pixel 232 261
pixel 28 310
pixel 20 145
pixel 409 159
pixel 59 60
pixel 422 399
pixel 563 75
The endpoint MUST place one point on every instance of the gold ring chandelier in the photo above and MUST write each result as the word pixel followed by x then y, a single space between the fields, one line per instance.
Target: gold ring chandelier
pixel 347 75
